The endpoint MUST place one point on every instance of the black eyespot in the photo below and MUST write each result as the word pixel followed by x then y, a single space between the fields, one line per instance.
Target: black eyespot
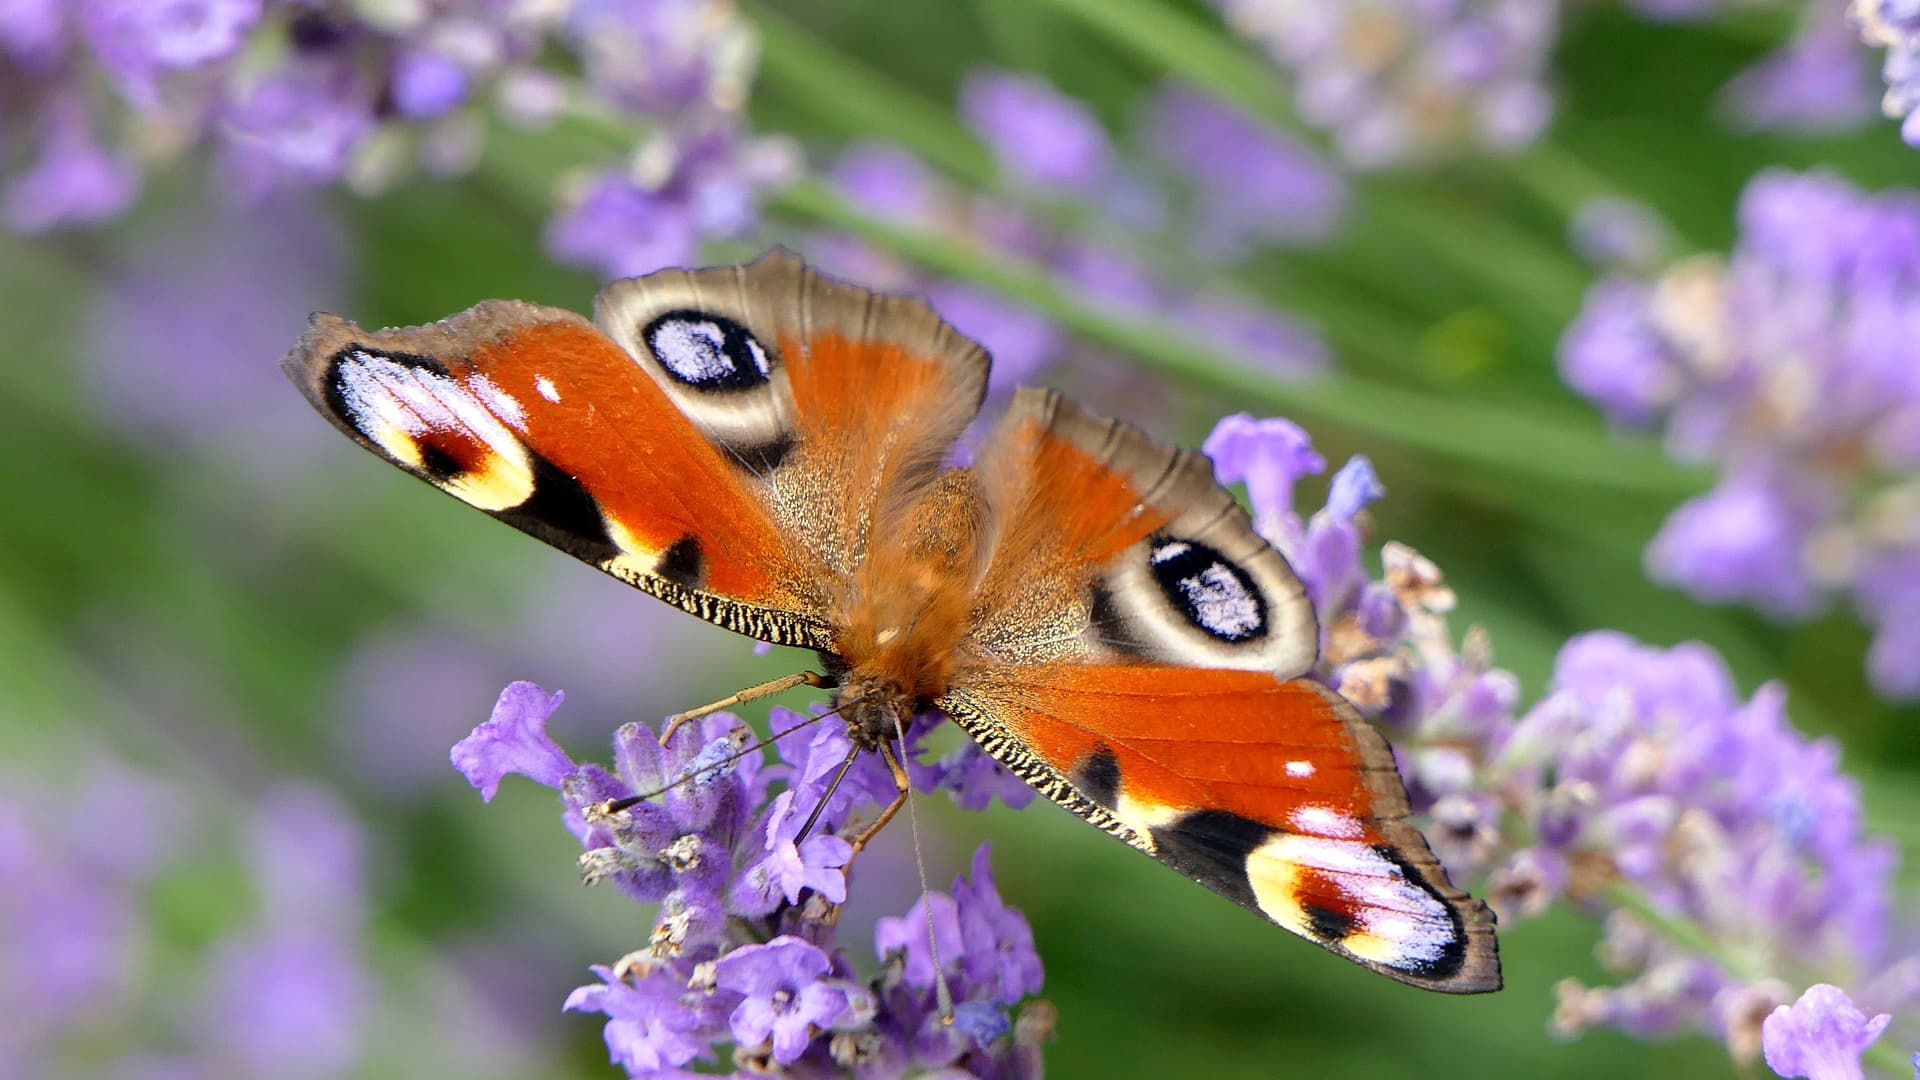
pixel 708 352
pixel 1213 593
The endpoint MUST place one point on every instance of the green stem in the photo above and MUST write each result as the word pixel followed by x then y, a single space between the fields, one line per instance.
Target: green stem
pixel 1492 439
pixel 1174 41
pixel 1682 932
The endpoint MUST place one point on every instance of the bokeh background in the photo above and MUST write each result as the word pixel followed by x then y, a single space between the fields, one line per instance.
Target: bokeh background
pixel 234 650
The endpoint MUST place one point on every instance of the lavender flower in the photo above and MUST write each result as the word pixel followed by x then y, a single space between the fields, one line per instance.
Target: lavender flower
pixel 287 93
pixel 1038 135
pixel 1396 79
pixel 1788 364
pixel 1641 774
pixel 1249 184
pixel 286 993
pixel 230 285
pixel 1894 25
pixel 1820 1036
pixel 1818 81
pixel 743 948
pixel 786 996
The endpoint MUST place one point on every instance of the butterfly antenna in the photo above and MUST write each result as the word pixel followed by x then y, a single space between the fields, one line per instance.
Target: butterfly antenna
pixel 943 994
pixel 832 786
pixel 615 806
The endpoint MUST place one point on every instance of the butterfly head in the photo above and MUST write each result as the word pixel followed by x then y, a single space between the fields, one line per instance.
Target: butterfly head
pixel 874 708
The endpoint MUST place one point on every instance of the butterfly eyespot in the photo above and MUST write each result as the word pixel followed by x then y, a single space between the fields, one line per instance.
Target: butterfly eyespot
pixel 1209 590
pixel 707 351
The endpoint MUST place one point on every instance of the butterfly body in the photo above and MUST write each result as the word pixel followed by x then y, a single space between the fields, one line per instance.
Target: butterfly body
pixel 767 448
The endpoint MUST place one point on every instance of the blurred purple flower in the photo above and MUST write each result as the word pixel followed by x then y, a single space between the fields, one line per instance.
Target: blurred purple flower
pixel 427 83
pixel 73 181
pixel 1270 340
pixel 1397 79
pixel 1894 25
pixel 136 40
pixel 230 287
pixel 1818 81
pixel 623 231
pixel 292 94
pixel 1038 134
pixel 297 127
pixel 1790 364
pixel 1021 340
pixel 704 185
pixel 289 1000
pixel 1619 234
pixel 1250 184
pixel 1820 1036
pixel 999 957
pixel 1743 541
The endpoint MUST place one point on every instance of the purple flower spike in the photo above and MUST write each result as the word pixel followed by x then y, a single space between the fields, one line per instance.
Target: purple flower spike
pixel 1741 541
pixel 1821 1036
pixel 623 230
pixel 1250 184
pixel 1787 364
pixel 75 181
pixel 786 995
pixel 514 740
pixel 1270 456
pixel 1036 132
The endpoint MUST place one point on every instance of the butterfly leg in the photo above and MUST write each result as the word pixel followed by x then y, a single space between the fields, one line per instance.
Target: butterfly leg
pixel 901 787
pixel 771 686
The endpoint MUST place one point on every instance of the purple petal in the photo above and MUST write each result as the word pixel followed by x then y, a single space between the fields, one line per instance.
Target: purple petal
pixel 514 740
pixel 1820 1036
pixel 1354 487
pixel 1269 455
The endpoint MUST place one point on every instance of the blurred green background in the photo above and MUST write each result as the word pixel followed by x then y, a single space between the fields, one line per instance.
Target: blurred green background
pixel 200 579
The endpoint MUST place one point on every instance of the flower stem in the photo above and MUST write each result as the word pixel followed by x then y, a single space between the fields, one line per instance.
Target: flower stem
pixel 1682 932
pixel 1492 439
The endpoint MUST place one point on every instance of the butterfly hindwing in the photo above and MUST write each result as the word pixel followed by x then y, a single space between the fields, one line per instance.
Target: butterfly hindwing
pixel 1112 545
pixel 1144 675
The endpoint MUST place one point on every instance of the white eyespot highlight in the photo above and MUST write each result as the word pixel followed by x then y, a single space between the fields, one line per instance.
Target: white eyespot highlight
pixel 1397 923
pixel 498 401
pixel 1169 551
pixel 1326 821
pixel 546 388
pixel 709 351
pixel 397 405
pixel 1216 596
pixel 1300 768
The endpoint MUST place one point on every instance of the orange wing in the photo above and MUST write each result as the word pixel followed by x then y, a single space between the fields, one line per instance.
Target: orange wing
pixel 722 440
pixel 1137 648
